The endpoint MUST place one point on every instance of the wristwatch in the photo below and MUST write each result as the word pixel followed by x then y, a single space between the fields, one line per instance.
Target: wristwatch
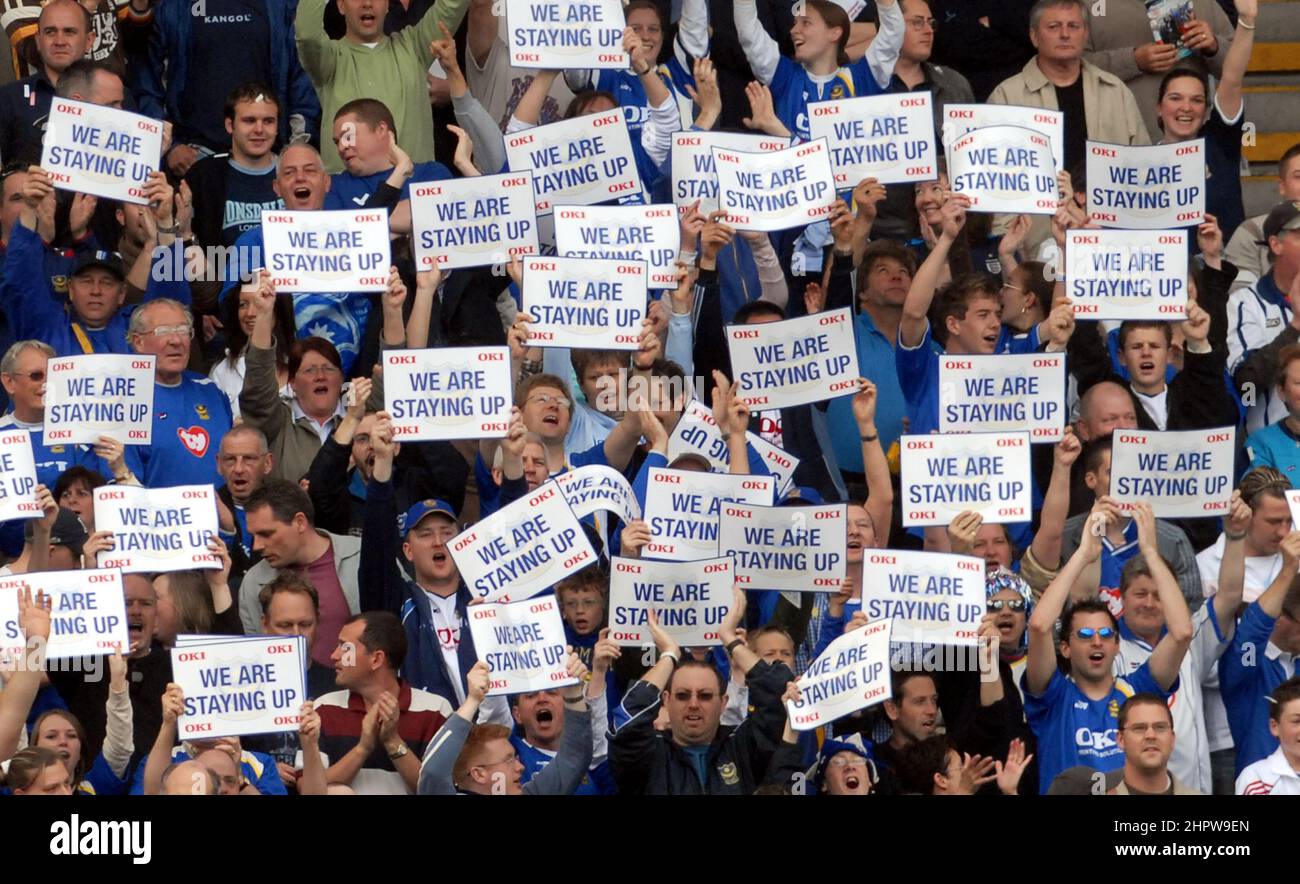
pixel 401 752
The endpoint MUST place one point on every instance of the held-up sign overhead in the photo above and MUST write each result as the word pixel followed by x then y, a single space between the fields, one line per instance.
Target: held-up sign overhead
pixel 800 549
pixel 1004 169
pixel 690 600
pixel 1003 393
pixel 237 686
pixel 597 487
pixel 1127 274
pixel 622 233
pixel 1181 474
pixel 584 302
pixel 555 35
pixel 87 612
pixel 99 394
pixel 886 137
pixel 777 190
pixel 1154 187
pixel 523 645
pixel 795 361
pixel 851 674
pixel 448 393
pixel 683 507
pixel 985 473
pixel 473 222
pixel 157 529
pixel 962 118
pixel 577 162
pixel 329 251
pixel 933 598
pixel 17 478
pixel 100 150
pixel 694 175
pixel 697 433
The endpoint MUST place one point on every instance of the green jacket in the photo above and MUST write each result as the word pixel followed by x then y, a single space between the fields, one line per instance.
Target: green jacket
pixel 393 72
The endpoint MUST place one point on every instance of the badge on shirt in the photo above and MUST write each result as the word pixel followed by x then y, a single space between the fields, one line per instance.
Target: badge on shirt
pixel 1112 708
pixel 1273 322
pixel 728 773
pixel 60 284
pixel 837 92
pixel 202 412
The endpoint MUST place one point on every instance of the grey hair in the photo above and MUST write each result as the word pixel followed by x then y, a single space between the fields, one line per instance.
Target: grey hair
pixel 11 355
pixel 1036 14
pixel 263 447
pixel 138 326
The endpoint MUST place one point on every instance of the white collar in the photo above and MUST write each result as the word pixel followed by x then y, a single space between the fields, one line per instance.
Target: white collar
pixel 1278 764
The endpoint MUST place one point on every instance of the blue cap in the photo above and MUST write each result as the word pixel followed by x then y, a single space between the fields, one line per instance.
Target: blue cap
pixel 416 514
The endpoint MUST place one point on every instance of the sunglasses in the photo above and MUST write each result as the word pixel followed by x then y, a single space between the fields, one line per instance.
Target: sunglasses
pixel 995 605
pixel 1088 632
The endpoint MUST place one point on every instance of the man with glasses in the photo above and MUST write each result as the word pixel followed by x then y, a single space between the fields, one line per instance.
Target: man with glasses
pixel 1146 736
pixel 191 414
pixel 1075 714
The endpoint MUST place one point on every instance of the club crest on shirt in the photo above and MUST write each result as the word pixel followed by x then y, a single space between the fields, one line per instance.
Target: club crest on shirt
pixel 60 284
pixel 202 412
pixel 1112 708
pixel 837 92
pixel 728 773
pixel 1273 322
pixel 195 440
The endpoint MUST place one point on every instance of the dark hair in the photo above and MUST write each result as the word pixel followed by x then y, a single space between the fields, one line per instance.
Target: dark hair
pixel 581 360
pixel 1178 73
pixel 1292 152
pixel 691 663
pixel 531 383
pixel 82 762
pixel 756 308
pixel 1287 692
pixel 301 347
pixel 251 91
pixel 384 632
pixel 288 581
pixel 954 299
pixel 80 76
pixel 1128 326
pixel 899 678
pixel 72 475
pixel 1094 451
pixel 1087 606
pixel 585 98
pixel 1143 698
pixel 835 17
pixel 284 498
pixel 285 328
pixel 370 111
pixel 882 250
pixel 587 580
pixel 919 762
pixel 1039 285
pixel 25 766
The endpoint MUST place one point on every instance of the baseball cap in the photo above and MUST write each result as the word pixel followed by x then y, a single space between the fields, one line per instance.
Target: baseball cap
pixel 68 531
pixel 1283 216
pixel 416 514
pixel 110 261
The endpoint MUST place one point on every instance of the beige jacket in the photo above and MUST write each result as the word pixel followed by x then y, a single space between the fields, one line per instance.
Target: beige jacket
pixel 1111 109
pixel 1180 788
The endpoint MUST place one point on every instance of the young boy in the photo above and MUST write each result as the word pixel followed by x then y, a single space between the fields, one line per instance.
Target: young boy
pixel 1279 773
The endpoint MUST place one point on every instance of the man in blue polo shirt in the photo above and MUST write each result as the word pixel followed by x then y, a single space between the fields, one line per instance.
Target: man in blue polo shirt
pixel 1076 715
pixel 1262 656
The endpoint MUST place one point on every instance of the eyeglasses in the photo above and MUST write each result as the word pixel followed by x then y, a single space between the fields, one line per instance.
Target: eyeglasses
pixel 1088 632
pixel 326 370
pixel 509 759
pixel 995 605
pixel 34 376
pixel 843 761
pixel 1159 728
pixel 545 400
pixel 580 604
pixel 920 23
pixel 1016 288
pixel 164 331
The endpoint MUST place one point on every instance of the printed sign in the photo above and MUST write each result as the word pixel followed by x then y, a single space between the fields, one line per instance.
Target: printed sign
pixel 1181 474
pixel 800 549
pixel 694 175
pixel 596 487
pixel 945 475
pixel 157 529
pixel 473 222
pixel 690 600
pixel 232 687
pixel 1127 274
pixel 1003 393
pixel 683 507
pixel 523 548
pixel 17 478
pixel 577 162
pixel 697 433
pixel 958 119
pixel 778 190
pixel 523 645
pixel 448 393
pixel 1153 187
pixel 1004 169
pixel 328 251
pixel 933 598
pixel 886 137
pixel 100 150
pixel 623 233
pixel 99 394
pixel 851 674
pixel 795 361
pixel 87 612
pixel 564 36
pixel 584 303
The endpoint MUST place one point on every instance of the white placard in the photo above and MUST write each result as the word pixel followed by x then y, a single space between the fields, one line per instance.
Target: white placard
pixel 157 529
pixel 99 394
pixel 1181 474
pixel 522 644
pixel 555 35
pixel 448 393
pixel 523 548
pixel 690 600
pixel 1003 393
pixel 597 487
pixel 778 190
pixel 17 478
pixel 253 685
pixel 683 507
pixel 945 475
pixel 958 119
pixel 578 162
pixel 583 303
pixel 886 137
pixel 623 233
pixel 1293 501
pixel 345 250
pixel 851 674
pixel 1153 187
pixel 795 548
pixel 697 433
pixel 933 598
pixel 694 175
pixel 473 222
pixel 87 612
pixel 1004 169
pixel 794 361
pixel 91 148
pixel 1127 274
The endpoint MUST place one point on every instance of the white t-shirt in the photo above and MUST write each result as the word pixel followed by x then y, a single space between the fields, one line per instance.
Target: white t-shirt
pixel 1157 407
pixel 447 624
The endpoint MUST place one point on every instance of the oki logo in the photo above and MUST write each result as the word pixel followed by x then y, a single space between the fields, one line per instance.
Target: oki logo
pixel 1010 511
pixel 107 643
pixel 807 718
pixel 728 158
pixel 1220 505
pixel 632 269
pixel 826 111
pixel 1104 216
pixel 810 149
pixel 577 560
pixel 101 578
pixel 625 568
pixel 753 483
pixel 958 364
pixel 843 385
pixel 191 656
pixel 659 213
pixel 1046 363
pixel 1104 152
pixel 404 359
pixel 141 363
pixel 690 142
pixel 492 356
pixel 660 547
pixel 368 219
pixel 70 109
pixel 607 120
pixel 744 334
pixel 151 128
pixel 559 676
pixel 1189 216
pixel 882 559
pixel 543 266
pixel 542 497
pixel 1187 150
pixel 520 250
pixel 1170 240
pixel 826 581
pixel 755 400
pixel 1039 140
pixel 833 319
pixel 528 56
pixel 739 514
pixel 280 219
pixel 405 430
pixel 608 56
pixel 826 514
pixel 1130 439
pixel 1170 308
pixel 540 608
pixel 1087 308
pixel 1044 118
pixel 920 445
pixel 622 186
pixel 428 191
pixel 494 427
pixel 1045 203
pixel 1011 443
pixel 58 434
pixel 625 636
pixel 482 613
pixel 1218 437
pixel 572 213
pixel 194 495
pixel 716 568
pixel 464 542
pixel 913 102
pixel 198 728
pixel 919 515
pixel 668 479
pixel 514 182
pixel 782 462
pixel 920 170
pixel 1086 240
pixel 115 563
pixel 112 495
pixel 286 719
pixel 279 649
pixel 373 280
pixel 964 565
pixel 522 140
pixel 961 114
pixel 1041 432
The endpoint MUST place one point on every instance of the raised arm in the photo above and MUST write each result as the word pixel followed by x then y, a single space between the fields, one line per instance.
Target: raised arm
pixel 312 781
pixel 1270 602
pixel 1041 661
pixel 692 32
pixel 317 52
pixel 882 52
pixel 1046 545
pixel 119 731
pixel 1237 59
pixel 1169 652
pixel 732 417
pixel 160 756
pixel 760 49
pixel 529 110
pixel 22 685
pixel 921 293
pixel 1232 567
pixel 880 488
pixel 417 324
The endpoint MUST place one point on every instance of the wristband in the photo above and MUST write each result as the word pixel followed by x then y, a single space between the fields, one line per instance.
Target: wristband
pixel 1242 24
pixel 731 645
pixel 1241 536
pixel 671 655
pixel 870 438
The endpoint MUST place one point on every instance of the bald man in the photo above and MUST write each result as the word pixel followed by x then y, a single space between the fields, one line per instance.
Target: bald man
pixel 190 778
